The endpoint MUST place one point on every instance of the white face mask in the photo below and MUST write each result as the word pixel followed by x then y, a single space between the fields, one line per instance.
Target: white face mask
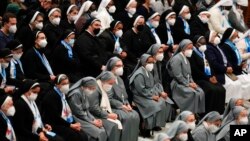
pixel 203 48
pixel 149 67
pixel 112 9
pixel 235 40
pixel 155 24
pixel 11 111
pixel 39 26
pixel 204 19
pixel 65 89
pixel 5 65
pixel 132 11
pixel 225 12
pixel 17 56
pixel 73 18
pixel 107 87
pixel 56 21
pixel 171 21
pixel 71 42
pixel 32 96
pixel 243 121
pixel 188 52
pixel 13 29
pixel 119 33
pixel 119 71
pixel 21 1
pixel 183 137
pixel 88 91
pixel 159 57
pixel 187 16
pixel 43 43
pixel 212 128
pixel 191 125
pixel 216 41
pixel 93 14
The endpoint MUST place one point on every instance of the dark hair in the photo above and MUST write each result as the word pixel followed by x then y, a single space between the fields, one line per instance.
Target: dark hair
pixel 7 16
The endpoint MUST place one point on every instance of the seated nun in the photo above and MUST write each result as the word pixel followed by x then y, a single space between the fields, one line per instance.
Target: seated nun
pixel 186 93
pixel 178 131
pixel 240 117
pixel 228 115
pixel 157 51
pixel 206 128
pixel 204 76
pixel 118 98
pixel 79 104
pixel 221 66
pixel 189 118
pixel 7 110
pixel 28 123
pixel 100 105
pixel 146 95
pixel 57 112
pixel 162 137
pixel 235 59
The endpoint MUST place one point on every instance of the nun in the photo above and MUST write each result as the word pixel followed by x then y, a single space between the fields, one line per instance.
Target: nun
pixel 178 131
pixel 219 16
pixel 64 53
pixel 119 102
pixel 33 21
pixel 79 104
pixel 189 118
pixel 157 51
pixel 207 127
pixel 52 30
pixel 162 137
pixel 220 66
pixel 228 115
pixel 87 11
pixel 30 126
pixel 144 8
pixel 146 95
pixel 240 117
pixel 56 111
pixel 181 28
pixel 199 25
pixel 15 73
pixel 100 105
pixel 204 76
pixel 70 18
pixel 205 4
pixel 234 58
pixel 105 11
pixel 7 110
pixel 89 50
pixel 186 93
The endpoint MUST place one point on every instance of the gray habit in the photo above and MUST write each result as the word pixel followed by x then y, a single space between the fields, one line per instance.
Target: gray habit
pixel 185 97
pixel 202 134
pixel 224 132
pixel 110 127
pixel 143 88
pixel 79 105
pixel 130 120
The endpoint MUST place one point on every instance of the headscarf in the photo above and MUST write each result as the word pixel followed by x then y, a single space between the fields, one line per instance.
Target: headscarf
pixel 136 18
pixel 154 49
pixel 183 45
pixel 27 85
pixel 59 78
pixel 113 24
pixel 105 76
pixel 161 137
pixel 184 115
pixel 111 63
pixel 176 128
pixel 210 117
pixel 227 34
pixel 103 5
pixel 237 110
pixel 166 15
pixel 84 8
pixel 242 2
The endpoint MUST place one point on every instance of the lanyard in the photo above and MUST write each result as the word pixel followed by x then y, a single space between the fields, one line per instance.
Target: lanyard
pixel 68 47
pixel 45 62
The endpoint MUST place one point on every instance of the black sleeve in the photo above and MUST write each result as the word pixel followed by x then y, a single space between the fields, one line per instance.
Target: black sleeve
pixel 178 31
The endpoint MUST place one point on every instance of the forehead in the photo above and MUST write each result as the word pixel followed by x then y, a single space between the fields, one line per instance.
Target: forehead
pixel 56 13
pixel 96 23
pixel 150 59
pixel 41 35
pixel 141 20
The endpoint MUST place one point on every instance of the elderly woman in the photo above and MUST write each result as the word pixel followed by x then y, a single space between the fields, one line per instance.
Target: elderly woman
pixel 79 104
pixel 157 51
pixel 207 127
pixel 186 93
pixel 178 131
pixel 147 97
pixel 119 102
pixel 100 105
pixel 240 117
pixel 189 118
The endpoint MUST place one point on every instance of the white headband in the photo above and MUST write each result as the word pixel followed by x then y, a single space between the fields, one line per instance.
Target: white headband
pixel 232 33
pixel 34 85
pixel 154 15
pixel 137 18
pixel 34 17
pixel 170 14
pixel 53 10
pixel 183 8
pixel 71 6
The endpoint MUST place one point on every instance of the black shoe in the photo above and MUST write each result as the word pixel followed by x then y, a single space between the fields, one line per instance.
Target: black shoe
pixel 145 133
pixel 157 128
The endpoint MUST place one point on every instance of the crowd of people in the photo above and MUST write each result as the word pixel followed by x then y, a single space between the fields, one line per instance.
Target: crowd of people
pixel 68 73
